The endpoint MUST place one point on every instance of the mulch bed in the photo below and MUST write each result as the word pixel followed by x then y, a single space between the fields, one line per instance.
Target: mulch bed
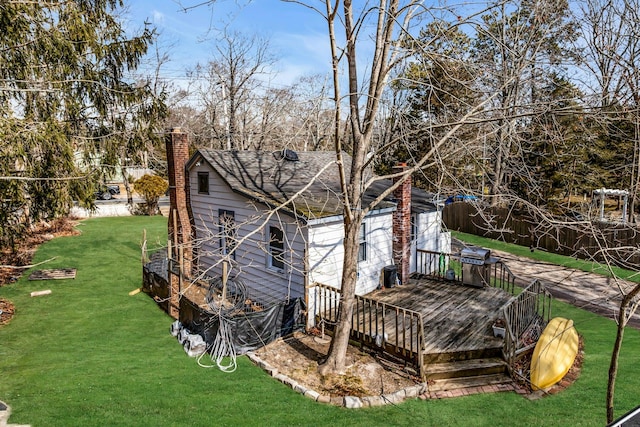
pixel 523 368
pixel 7 309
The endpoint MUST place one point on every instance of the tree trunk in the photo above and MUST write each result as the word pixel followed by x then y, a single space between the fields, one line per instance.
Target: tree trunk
pixel 615 355
pixel 361 124
pixel 613 367
pixel 127 185
pixel 635 175
pixel 335 362
pixel 498 172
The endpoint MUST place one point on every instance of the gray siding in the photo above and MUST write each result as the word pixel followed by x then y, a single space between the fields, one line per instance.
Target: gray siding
pixel 265 285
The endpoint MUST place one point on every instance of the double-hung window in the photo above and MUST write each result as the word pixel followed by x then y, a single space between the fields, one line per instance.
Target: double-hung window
pixel 276 249
pixel 362 245
pixel 227 229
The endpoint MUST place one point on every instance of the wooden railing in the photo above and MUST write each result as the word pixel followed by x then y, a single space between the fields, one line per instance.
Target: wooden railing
pixel 529 309
pixel 381 326
pixel 439 265
pixel 445 266
pixel 502 277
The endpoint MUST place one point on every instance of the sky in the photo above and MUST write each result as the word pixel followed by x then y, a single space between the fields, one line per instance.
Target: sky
pixel 296 34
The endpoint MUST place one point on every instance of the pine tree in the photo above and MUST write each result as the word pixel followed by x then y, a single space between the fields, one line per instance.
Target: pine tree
pixel 521 45
pixel 440 86
pixel 66 94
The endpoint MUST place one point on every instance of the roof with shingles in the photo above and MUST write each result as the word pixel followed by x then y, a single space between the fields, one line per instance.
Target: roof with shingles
pixel 270 178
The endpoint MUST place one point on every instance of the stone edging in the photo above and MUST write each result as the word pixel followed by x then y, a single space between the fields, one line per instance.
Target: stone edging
pixel 5 413
pixel 346 401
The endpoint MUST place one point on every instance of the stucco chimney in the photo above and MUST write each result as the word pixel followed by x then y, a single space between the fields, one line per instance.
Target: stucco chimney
pixel 402 224
pixel 179 227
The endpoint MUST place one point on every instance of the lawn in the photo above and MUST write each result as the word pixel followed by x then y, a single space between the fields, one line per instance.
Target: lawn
pixel 91 355
pixel 566 261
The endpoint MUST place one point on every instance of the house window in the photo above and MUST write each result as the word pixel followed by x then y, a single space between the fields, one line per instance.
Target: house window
pixel 203 182
pixel 227 228
pixel 362 247
pixel 276 248
pixel 414 228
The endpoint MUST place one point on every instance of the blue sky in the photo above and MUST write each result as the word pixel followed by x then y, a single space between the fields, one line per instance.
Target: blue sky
pixel 297 35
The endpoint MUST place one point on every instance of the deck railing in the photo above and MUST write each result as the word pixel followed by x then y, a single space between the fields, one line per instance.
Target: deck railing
pixel 530 309
pixel 502 277
pixel 445 266
pixel 439 265
pixel 395 330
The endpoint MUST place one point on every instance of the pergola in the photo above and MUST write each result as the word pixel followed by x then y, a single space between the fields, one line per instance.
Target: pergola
pixel 602 193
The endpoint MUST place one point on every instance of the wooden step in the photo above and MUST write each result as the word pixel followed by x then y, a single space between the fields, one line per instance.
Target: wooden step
pixel 465 368
pixel 479 353
pixel 448 384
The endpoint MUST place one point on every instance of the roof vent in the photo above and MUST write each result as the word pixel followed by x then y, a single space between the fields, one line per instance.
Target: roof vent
pixel 289 155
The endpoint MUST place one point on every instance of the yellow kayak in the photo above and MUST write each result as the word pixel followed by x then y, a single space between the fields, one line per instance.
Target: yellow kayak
pixel 554 353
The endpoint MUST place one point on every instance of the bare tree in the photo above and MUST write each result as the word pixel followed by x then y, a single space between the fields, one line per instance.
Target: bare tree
pixel 517 45
pixel 230 88
pixel 311 114
pixel 612 52
pixel 390 21
pixel 517 50
pixel 611 37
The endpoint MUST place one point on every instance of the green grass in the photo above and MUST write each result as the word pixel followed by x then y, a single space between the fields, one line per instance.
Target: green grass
pixel 563 260
pixel 91 355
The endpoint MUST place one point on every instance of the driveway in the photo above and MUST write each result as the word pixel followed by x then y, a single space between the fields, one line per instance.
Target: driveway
pixel 589 291
pixel 117 207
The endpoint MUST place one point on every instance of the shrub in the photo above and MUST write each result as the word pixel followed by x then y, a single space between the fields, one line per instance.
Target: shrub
pixel 151 187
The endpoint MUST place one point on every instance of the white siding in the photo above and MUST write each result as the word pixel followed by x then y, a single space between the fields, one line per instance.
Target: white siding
pixel 325 243
pixel 379 252
pixel 429 236
pixel 326 252
pixel 250 265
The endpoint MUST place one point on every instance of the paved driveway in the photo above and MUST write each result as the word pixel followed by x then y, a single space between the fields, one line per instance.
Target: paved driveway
pixel 588 291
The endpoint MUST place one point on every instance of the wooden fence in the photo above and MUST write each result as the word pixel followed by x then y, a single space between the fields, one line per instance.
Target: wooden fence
pixel 395 330
pixel 577 239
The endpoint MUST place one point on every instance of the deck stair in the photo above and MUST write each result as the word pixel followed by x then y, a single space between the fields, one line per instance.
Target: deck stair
pixel 446 372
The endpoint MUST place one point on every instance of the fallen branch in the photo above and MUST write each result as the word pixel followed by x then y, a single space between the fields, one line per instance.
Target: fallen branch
pixel 27 266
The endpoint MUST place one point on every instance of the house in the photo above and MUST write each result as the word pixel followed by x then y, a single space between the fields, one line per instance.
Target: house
pixel 274 219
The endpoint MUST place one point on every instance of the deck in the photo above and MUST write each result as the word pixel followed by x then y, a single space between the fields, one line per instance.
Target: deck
pixel 441 326
pixel 444 328
pixel 456 318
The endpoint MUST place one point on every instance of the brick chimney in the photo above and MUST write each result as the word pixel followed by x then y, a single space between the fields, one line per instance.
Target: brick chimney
pixel 179 227
pixel 402 224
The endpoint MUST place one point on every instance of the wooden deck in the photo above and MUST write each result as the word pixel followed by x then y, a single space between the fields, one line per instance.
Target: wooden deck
pixel 457 319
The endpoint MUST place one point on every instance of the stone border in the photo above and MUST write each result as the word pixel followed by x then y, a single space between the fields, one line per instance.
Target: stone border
pixel 350 402
pixel 5 413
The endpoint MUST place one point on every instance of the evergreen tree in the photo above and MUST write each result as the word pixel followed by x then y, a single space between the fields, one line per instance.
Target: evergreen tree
pixel 66 89
pixel 556 147
pixel 521 46
pixel 440 83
